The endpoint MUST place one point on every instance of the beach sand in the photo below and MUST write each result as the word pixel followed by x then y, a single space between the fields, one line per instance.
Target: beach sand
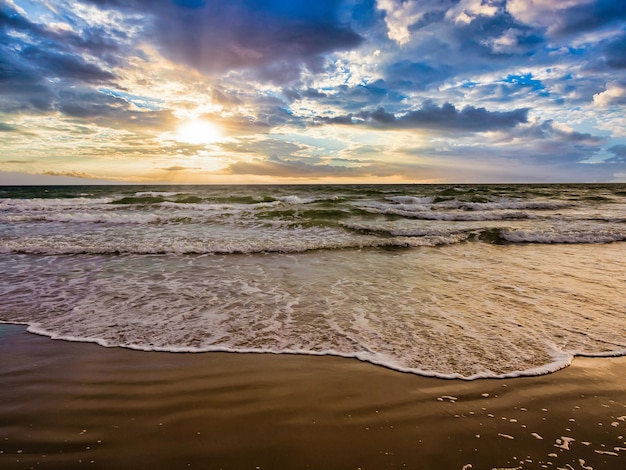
pixel 74 405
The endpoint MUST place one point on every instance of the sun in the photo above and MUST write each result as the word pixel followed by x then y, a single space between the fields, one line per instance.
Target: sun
pixel 198 131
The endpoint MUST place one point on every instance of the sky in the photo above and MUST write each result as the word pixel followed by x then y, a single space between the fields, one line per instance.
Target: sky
pixel 325 91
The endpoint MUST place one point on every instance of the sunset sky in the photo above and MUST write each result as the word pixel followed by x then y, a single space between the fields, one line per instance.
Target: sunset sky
pixel 324 91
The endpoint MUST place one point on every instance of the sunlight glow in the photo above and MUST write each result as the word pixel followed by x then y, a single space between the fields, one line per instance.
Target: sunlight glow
pixel 198 131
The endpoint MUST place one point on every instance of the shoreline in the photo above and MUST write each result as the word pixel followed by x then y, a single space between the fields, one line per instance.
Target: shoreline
pixel 74 404
pixel 555 366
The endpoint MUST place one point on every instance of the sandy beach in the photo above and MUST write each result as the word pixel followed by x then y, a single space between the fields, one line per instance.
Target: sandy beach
pixel 71 405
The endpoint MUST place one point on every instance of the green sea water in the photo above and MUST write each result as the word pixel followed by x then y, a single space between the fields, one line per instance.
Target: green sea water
pixel 462 281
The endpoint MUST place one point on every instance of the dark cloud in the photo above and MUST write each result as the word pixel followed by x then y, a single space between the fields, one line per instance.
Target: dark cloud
pixel 442 51
pixel 353 99
pixel 106 44
pixel 445 118
pixel 613 53
pixel 36 61
pixel 15 129
pixel 619 154
pixel 482 36
pixel 21 88
pixel 534 145
pixel 546 142
pixel 50 64
pixel 60 53
pixel 275 38
pixel 407 74
pixel 110 111
pixel 589 16
pixel 546 130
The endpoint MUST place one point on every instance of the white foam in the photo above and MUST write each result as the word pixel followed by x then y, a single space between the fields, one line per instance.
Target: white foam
pixel 369 357
pixel 293 199
pixel 102 217
pixel 156 194
pixel 460 310
pixel 183 240
pixel 325 303
pixel 426 213
pixel 567 236
pixel 18 205
pixel 411 200
pixel 505 204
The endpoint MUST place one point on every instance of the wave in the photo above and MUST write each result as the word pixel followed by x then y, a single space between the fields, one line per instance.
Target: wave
pixel 494 235
pixel 422 214
pixel 464 311
pixel 19 205
pixel 299 240
pixel 562 237
pixel 561 359
pixel 63 246
pixel 85 217
pixel 506 205
pixel 156 193
pixel 411 200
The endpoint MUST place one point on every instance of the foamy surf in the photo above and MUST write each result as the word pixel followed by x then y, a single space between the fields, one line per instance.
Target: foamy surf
pixel 341 270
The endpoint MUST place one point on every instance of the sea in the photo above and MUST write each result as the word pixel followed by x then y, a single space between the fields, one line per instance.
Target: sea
pixel 451 281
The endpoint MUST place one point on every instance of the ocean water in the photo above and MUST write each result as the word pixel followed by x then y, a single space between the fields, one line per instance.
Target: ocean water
pixel 454 281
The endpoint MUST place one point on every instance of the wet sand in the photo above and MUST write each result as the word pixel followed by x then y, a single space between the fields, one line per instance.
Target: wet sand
pixel 73 405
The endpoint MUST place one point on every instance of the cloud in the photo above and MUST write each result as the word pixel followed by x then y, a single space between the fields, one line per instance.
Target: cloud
pixel 15 178
pixel 442 50
pixel 613 95
pixel 54 65
pixel 466 10
pixel 444 118
pixel 542 12
pixel 71 173
pixel 54 53
pixel 550 130
pixel 22 89
pixel 262 147
pixel 180 168
pixel 277 167
pixel 619 154
pixel 542 142
pixel 293 85
pixel 400 16
pixel 567 17
pixel 277 39
pixel 613 53
pixel 411 75
pixel 37 60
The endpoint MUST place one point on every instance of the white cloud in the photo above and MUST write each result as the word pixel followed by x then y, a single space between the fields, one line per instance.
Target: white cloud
pixel 400 15
pixel 467 10
pixel 540 12
pixel 507 43
pixel 615 94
